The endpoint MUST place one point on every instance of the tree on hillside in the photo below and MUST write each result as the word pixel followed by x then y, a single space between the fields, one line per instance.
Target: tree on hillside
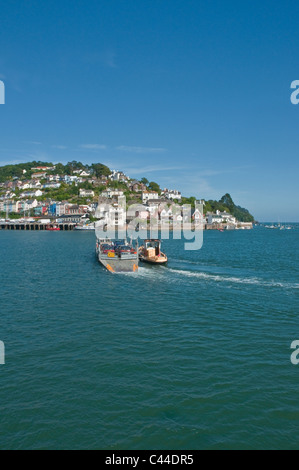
pixel 70 167
pixel 100 170
pixel 8 172
pixel 60 169
pixel 154 187
pixel 144 181
pixel 188 200
pixel 227 201
pixel 241 214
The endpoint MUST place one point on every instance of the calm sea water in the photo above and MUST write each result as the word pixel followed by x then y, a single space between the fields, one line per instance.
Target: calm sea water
pixel 192 356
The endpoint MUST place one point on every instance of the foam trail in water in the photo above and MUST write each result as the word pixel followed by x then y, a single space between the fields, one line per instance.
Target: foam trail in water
pixel 238 280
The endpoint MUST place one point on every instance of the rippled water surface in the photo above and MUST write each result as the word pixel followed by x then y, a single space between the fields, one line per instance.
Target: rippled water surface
pixel 195 355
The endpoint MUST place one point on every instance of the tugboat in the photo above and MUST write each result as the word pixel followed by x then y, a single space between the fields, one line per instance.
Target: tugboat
pixel 118 257
pixel 151 252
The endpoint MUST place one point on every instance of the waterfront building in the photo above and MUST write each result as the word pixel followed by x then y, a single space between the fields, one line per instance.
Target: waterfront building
pixel 70 218
pixel 8 206
pixel 221 218
pixel 112 214
pixel 74 209
pixel 41 210
pixel 60 208
pixel 30 204
pixel 52 209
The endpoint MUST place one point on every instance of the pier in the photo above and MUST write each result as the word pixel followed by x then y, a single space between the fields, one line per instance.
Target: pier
pixel 35 226
pixel 64 226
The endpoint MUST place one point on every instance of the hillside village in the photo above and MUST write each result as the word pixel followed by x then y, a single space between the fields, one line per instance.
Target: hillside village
pixel 77 193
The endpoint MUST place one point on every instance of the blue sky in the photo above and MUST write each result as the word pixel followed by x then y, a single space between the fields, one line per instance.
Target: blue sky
pixel 192 94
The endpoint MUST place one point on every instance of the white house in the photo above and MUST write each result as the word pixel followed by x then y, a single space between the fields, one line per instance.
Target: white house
pixel 172 194
pixel 31 194
pixel 30 204
pixel 26 185
pixel 71 179
pixel 153 207
pixel 35 184
pixel 60 208
pixel 8 195
pixel 118 176
pixel 197 217
pixel 44 168
pixel 52 185
pixel 221 217
pixel 166 214
pixel 39 175
pixel 113 215
pixel 54 178
pixel 177 218
pixel 109 193
pixel 84 174
pixel 147 195
pixel 86 193
pixel 9 206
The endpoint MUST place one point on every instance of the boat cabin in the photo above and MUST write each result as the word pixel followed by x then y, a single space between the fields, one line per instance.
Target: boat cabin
pixel 152 247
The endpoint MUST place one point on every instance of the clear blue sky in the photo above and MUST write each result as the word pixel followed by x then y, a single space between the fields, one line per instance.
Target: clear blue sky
pixel 192 94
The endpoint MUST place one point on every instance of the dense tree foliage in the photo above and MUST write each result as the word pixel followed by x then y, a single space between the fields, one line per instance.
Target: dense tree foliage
pixel 70 167
pixel 154 187
pixel 8 172
pixel 98 169
pixel 227 204
pixel 17 171
pixel 188 200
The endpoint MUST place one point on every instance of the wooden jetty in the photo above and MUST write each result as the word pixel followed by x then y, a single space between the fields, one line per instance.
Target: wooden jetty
pixel 34 226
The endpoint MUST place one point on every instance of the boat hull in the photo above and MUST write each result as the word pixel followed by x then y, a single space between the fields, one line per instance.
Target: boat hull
pixel 117 265
pixel 151 253
pixel 153 261
pixel 122 262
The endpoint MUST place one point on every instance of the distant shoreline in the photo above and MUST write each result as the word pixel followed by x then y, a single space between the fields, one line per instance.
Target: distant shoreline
pixel 37 226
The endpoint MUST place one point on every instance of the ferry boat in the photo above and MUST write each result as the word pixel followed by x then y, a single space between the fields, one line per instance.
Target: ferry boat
pixel 118 256
pixel 151 252
pixel 90 226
